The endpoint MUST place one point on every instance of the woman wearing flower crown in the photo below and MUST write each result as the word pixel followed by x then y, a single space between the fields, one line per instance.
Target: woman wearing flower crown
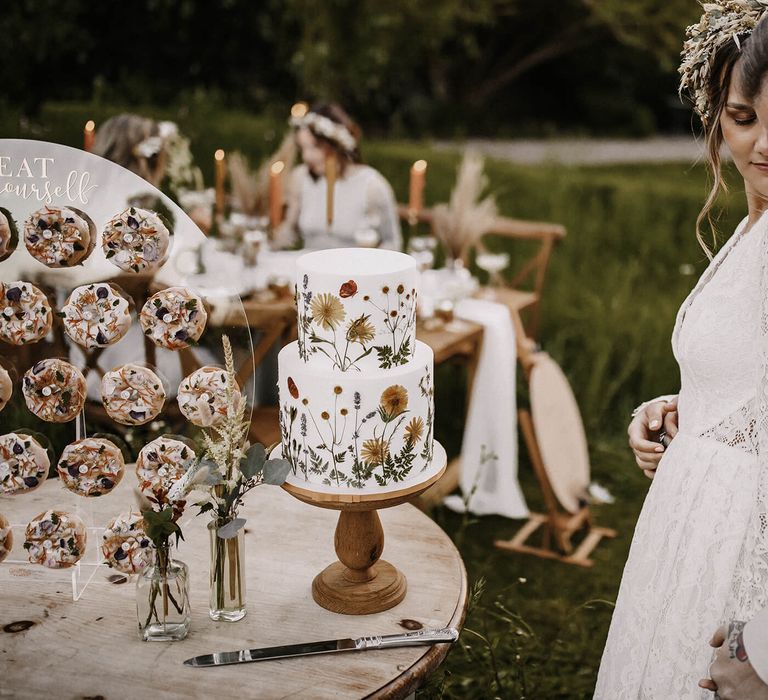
pixel 363 213
pixel 699 556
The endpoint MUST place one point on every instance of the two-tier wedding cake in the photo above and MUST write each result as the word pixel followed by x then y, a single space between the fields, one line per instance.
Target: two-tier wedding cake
pixel 356 388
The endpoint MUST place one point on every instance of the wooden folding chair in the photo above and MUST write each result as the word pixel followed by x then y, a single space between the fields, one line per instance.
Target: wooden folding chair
pixel 554 436
pixel 523 293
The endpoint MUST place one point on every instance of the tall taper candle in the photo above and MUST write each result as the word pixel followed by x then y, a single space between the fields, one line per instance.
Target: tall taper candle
pixel 89 134
pixel 331 171
pixel 276 193
pixel 221 174
pixel 416 191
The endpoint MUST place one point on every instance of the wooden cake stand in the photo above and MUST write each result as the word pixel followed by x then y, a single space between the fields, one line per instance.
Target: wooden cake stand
pixel 360 582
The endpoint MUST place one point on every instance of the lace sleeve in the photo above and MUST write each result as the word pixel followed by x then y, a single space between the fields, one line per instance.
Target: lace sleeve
pixel 750 585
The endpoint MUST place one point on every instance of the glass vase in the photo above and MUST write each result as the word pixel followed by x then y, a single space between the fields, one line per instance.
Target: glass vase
pixel 162 599
pixel 227 601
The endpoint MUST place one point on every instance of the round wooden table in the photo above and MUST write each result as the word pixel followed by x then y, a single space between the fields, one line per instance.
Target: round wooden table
pixel 90 648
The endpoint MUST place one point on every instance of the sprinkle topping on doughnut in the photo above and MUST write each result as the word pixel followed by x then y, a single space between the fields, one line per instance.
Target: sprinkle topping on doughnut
pixel 55 539
pixel 57 236
pixel 202 396
pixel 132 394
pixel 161 463
pixel 174 318
pixel 25 314
pixel 24 463
pixel 136 240
pixel 96 315
pixel 6 537
pixel 91 466
pixel 125 545
pixel 6 387
pixel 54 390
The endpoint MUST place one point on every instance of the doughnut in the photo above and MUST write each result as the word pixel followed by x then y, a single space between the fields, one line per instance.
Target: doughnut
pixel 132 394
pixel 125 545
pixel 96 315
pixel 91 466
pixel 161 463
pixel 202 396
pixel 9 235
pixel 25 314
pixel 56 539
pixel 136 240
pixel 173 318
pixel 24 463
pixel 54 390
pixel 6 538
pixel 6 387
pixel 59 236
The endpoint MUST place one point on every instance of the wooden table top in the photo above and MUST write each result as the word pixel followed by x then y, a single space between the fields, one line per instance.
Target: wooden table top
pixel 91 648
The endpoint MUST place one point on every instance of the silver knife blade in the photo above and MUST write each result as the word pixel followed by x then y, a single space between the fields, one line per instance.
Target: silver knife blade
pixel 419 638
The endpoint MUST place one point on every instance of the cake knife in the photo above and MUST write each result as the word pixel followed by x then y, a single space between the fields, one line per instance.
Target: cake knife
pixel 387 641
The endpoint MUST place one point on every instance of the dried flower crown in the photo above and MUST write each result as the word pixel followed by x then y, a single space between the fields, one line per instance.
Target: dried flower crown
pixel 327 128
pixel 723 21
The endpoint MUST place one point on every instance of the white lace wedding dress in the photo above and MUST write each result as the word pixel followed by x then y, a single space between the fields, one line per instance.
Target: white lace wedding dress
pixel 699 555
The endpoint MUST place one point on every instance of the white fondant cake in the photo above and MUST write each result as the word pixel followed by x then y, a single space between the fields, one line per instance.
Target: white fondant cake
pixel 357 308
pixel 355 415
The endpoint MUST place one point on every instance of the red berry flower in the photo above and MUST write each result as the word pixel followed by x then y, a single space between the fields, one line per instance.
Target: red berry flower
pixel 348 289
pixel 293 389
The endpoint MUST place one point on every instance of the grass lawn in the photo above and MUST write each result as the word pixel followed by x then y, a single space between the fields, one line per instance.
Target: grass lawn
pixel 537 628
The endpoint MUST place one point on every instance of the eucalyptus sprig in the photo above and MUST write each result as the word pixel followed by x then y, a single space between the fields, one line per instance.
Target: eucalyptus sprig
pixel 233 466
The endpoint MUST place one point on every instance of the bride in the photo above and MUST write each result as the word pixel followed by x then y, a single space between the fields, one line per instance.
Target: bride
pixel 699 556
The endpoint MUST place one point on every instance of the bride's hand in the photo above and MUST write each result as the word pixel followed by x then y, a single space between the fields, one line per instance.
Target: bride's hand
pixel 644 432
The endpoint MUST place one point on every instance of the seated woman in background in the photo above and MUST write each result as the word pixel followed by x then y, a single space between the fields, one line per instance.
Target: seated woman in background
pixel 364 209
pixel 136 143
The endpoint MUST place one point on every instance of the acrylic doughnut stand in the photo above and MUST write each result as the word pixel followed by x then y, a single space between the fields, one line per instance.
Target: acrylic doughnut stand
pixel 37 173
pixel 360 582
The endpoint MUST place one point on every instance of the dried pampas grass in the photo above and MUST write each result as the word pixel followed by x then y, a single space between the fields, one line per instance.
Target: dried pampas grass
pixel 466 217
pixel 251 188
